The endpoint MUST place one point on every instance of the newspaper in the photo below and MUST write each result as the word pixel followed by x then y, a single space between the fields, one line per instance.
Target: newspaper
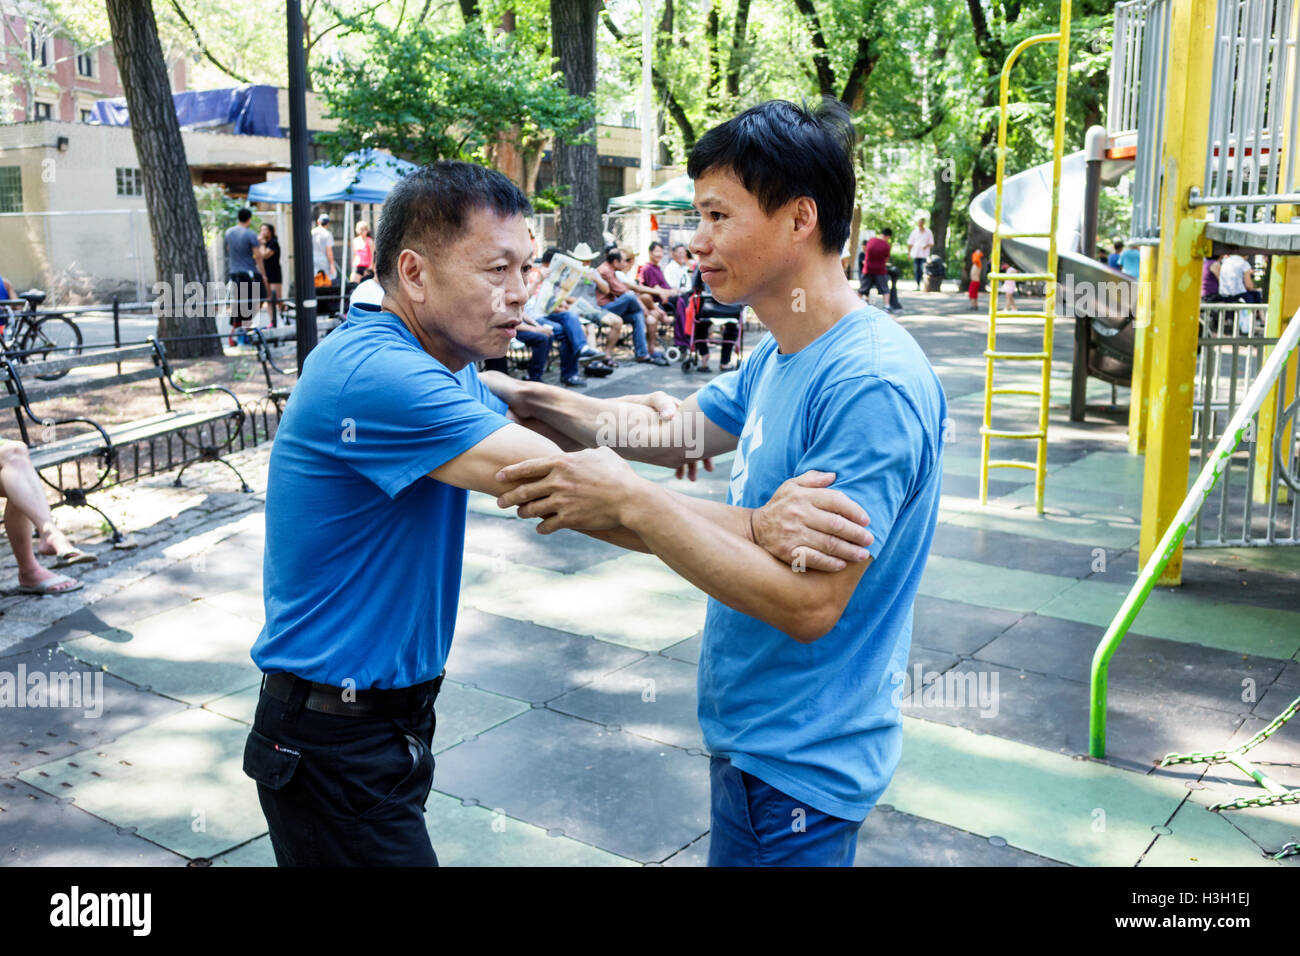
pixel 558 286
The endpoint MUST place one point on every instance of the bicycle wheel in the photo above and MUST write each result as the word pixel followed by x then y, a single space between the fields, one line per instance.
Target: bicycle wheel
pixel 53 337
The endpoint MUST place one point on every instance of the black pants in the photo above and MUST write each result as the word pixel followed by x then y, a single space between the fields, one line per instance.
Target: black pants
pixel 343 791
pixel 730 329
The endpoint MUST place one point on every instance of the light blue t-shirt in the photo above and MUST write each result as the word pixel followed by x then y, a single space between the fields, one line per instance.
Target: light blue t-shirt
pixel 817 720
pixel 363 550
pixel 1130 261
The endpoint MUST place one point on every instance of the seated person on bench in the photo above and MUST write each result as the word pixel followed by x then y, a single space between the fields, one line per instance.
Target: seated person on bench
pixel 25 508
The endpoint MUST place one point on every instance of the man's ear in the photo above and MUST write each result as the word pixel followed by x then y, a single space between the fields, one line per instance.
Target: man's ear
pixel 410 275
pixel 804 219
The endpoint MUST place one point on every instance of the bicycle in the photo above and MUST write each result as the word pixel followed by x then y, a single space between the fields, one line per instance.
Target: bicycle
pixel 27 338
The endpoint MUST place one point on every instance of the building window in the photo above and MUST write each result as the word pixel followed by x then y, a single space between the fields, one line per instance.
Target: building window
pixel 38 48
pixel 609 181
pixel 11 189
pixel 129 182
pixel 86 64
pixel 87 116
pixel 43 111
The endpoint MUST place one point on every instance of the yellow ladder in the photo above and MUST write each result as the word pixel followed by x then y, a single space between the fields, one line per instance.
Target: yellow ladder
pixel 1044 356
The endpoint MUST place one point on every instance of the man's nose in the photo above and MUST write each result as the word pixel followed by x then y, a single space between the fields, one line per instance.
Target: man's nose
pixel 699 241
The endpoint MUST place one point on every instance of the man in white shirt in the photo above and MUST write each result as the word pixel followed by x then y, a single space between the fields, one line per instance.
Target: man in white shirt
pixel 918 247
pixel 322 260
pixel 1237 284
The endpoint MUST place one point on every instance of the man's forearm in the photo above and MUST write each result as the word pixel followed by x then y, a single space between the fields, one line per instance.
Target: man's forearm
pixel 586 420
pixel 729 567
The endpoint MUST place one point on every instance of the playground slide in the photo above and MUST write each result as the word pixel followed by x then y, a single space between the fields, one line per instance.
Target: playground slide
pixel 1092 289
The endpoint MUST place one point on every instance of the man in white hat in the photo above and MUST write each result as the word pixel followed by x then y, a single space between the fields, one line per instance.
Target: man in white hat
pixel 584 301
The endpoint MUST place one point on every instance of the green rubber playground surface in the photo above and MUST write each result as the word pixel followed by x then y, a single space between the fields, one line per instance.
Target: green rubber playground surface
pixel 566 728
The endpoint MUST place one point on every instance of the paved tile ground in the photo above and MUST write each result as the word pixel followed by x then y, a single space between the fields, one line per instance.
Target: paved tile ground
pixel 566 730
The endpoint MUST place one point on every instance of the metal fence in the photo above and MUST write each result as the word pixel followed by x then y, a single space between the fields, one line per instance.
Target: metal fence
pixel 1254 112
pixel 1125 66
pixel 1248 508
pixel 1153 49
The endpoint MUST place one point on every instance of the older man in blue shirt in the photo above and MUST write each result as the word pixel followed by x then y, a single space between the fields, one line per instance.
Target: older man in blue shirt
pixel 387 428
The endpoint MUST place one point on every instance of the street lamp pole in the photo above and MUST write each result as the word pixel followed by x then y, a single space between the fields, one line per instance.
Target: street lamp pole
pixel 304 283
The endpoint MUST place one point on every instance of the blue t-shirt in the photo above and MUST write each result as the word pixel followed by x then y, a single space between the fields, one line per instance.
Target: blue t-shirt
pixel 1130 261
pixel 363 550
pixel 817 721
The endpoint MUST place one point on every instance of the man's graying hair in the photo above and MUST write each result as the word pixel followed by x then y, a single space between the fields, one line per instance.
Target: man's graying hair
pixel 429 207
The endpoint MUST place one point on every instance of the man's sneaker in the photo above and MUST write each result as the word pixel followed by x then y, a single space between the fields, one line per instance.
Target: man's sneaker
pixel 589 352
pixel 653 359
pixel 573 381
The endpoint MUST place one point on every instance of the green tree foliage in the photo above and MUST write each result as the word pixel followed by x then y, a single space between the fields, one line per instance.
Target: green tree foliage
pixel 426 96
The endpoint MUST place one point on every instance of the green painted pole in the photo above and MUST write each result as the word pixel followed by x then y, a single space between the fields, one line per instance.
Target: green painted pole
pixel 1173 537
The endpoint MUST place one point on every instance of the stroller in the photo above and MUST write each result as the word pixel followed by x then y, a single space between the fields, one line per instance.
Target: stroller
pixel 705 321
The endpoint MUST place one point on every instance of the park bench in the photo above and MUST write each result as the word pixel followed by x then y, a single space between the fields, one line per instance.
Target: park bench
pixel 108 445
pixel 267 340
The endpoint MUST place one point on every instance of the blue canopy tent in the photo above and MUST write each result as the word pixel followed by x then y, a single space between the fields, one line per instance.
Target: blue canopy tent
pixel 366 175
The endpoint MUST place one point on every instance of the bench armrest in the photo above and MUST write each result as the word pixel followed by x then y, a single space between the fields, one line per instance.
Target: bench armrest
pixel 160 356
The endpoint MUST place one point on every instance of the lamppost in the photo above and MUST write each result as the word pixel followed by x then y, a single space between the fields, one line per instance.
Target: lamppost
pixel 304 283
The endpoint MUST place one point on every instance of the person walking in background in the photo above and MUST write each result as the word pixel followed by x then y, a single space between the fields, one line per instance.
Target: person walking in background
pixel 876 265
pixel 363 254
pixel 976 274
pixel 1112 260
pixel 322 263
pixel 919 244
pixel 1009 289
pixel 273 275
pixel 242 249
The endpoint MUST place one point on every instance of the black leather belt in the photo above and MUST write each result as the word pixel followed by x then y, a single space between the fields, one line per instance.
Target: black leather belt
pixel 345 702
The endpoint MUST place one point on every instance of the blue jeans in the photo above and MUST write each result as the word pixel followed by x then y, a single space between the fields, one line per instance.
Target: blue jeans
pixel 628 306
pixel 540 343
pixel 751 823
pixel 919 266
pixel 568 327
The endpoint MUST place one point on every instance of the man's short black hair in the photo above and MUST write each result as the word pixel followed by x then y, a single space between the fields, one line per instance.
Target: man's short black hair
pixel 550 253
pixel 780 151
pixel 244 214
pixel 429 206
pixel 656 244
pixel 1119 244
pixel 613 255
pixel 886 231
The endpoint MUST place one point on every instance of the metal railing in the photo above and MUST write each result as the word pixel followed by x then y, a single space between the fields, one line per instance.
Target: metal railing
pixel 1126 66
pixel 1232 351
pixel 1254 112
pixel 1150 123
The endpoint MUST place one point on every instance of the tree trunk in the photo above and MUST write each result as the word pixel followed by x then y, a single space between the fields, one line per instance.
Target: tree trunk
pixel 169 196
pixel 573 42
pixel 941 211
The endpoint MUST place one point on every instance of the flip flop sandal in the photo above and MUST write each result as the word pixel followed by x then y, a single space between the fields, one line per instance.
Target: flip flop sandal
pixel 51 586
pixel 74 556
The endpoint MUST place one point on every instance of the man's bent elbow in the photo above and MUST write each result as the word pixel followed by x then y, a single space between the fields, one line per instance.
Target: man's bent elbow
pixel 810 626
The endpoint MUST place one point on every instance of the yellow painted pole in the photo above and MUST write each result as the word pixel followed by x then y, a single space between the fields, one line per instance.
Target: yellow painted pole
pixel 1140 387
pixel 1174 321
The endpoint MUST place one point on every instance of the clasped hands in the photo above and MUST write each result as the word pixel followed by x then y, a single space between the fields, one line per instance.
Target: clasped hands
pixel 593 490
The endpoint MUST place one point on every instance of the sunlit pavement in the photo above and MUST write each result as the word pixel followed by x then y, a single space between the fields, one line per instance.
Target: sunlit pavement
pixel 566 728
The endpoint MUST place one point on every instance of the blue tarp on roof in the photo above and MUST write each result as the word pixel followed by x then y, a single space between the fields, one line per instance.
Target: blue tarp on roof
pixel 340 183
pixel 244 110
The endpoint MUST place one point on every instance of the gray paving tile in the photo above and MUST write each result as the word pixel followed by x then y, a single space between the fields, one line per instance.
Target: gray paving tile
pixel 253 853
pixel 193 653
pixel 466 712
pixel 1203 676
pixel 244 602
pixel 956 627
pixel 1006 550
pixel 43 830
pixel 240 706
pixel 108 708
pixel 141 600
pixel 1052 713
pixel 179 782
pixel 219 569
pixel 891 838
pixel 687 650
pixel 516 542
pixel 526 661
pixel 615 791
pixel 654 698
pixel 478 836
pixel 697 854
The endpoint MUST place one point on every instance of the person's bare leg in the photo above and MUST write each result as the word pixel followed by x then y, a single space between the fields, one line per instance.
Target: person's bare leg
pixel 614 332
pixel 24 492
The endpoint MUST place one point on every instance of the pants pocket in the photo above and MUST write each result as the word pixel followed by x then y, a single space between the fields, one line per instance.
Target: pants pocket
pixel 377 775
pixel 269 763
